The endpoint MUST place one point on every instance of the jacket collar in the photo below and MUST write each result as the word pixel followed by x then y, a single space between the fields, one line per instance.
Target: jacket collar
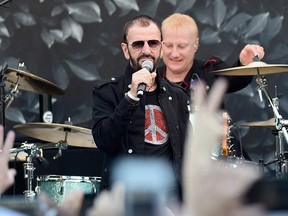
pixel 185 84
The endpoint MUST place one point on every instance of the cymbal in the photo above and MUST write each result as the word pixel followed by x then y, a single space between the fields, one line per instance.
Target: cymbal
pixel 30 82
pixel 52 132
pixel 268 123
pixel 254 68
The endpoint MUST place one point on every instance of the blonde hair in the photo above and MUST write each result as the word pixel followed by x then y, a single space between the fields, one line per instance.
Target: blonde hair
pixel 178 21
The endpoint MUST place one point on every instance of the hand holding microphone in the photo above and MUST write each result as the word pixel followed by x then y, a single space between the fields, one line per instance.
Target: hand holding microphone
pixel 142 86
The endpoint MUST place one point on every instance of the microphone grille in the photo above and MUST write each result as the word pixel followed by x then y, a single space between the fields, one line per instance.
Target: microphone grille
pixel 147 64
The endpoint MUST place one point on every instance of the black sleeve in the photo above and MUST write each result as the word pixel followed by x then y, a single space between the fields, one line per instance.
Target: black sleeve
pixel 111 115
pixel 235 83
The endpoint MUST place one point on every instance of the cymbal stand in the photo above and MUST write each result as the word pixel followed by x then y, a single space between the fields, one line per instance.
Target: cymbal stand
pixel 2 93
pixel 29 168
pixel 280 123
pixel 61 145
pixel 29 171
pixel 14 89
pixel 11 95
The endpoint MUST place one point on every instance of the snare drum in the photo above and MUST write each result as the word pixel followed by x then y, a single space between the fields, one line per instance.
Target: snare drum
pixel 56 187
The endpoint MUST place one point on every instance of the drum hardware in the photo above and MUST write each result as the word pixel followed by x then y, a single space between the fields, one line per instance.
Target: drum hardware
pixel 255 68
pixel 235 162
pixel 280 123
pixel 61 145
pixel 226 147
pixel 259 68
pixel 18 156
pixel 68 134
pixel 18 79
pixel 2 93
pixel 282 157
pixel 60 136
pixel 267 123
pixel 226 144
pixel 34 155
pixel 30 82
pixel 11 95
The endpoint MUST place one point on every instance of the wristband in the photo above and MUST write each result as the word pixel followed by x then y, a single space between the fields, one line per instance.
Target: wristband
pixel 130 100
pixel 132 97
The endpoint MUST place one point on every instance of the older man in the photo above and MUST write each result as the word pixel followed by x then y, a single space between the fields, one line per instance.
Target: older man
pixel 180 44
pixel 151 126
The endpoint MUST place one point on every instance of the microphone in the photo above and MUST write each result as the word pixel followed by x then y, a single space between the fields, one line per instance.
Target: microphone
pixel 40 160
pixel 142 86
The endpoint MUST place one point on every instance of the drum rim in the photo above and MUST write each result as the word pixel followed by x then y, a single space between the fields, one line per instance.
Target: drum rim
pixel 53 177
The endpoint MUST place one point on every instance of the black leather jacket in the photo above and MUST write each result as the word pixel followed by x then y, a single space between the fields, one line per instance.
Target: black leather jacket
pixel 113 116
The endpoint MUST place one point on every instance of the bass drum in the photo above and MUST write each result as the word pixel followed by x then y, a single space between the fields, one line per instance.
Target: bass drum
pixel 56 187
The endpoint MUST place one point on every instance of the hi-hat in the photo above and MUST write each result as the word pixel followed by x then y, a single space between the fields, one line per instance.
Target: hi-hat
pixel 29 82
pixel 268 123
pixel 254 68
pixel 52 132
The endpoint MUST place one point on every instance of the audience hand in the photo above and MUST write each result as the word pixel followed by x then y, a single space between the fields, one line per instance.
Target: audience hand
pixel 71 204
pixel 6 175
pixel 109 203
pixel 213 188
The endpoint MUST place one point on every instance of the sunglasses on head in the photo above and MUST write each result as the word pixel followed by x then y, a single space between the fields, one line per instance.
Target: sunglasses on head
pixel 140 44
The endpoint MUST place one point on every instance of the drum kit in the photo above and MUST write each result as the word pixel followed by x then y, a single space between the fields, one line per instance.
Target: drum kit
pixel 57 136
pixel 277 123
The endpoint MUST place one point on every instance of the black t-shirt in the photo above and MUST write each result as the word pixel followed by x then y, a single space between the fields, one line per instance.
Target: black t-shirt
pixel 156 136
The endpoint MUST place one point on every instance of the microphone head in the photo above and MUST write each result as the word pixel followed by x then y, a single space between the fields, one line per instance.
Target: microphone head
pixel 41 161
pixel 148 65
pixel 38 159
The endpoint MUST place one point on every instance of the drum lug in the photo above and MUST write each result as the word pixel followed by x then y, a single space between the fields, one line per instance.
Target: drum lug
pixel 94 189
pixel 61 190
pixel 38 189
